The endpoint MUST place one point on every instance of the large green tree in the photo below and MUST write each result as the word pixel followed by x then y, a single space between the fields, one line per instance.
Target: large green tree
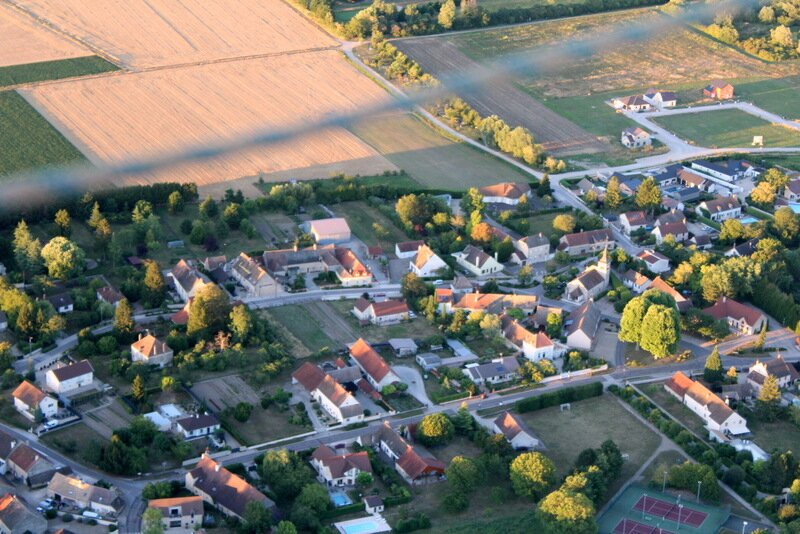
pixel 435 429
pixel 712 372
pixel 462 474
pixel 648 195
pixel 769 398
pixel 651 320
pixel 27 250
pixel 567 512
pixel 62 222
pixel 208 311
pixel 62 257
pixel 532 474
pixel 613 194
pixel 155 288
pixel 286 473
pixel 123 318
pixel 151 521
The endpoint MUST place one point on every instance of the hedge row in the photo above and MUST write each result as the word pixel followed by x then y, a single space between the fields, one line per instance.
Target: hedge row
pixel 555 398
pixel 343 510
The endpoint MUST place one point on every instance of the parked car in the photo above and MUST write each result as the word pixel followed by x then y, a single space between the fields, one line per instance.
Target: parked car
pixel 91 515
pixel 51 423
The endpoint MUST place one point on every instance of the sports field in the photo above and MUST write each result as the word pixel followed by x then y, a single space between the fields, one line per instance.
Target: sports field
pixel 28 141
pixel 727 128
pixel 640 510
pixel 431 159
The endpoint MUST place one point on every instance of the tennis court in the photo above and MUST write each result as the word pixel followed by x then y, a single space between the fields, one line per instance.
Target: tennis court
pixel 671 511
pixel 629 526
pixel 641 510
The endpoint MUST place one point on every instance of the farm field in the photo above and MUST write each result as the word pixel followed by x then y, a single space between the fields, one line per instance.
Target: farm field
pixel 158 111
pixel 53 70
pixel 162 32
pixel 27 42
pixel 728 128
pixel 439 55
pixel 599 419
pixel 28 140
pixel 776 95
pixel 431 159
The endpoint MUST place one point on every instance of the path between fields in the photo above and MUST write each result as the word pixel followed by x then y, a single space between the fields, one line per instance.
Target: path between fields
pixel 336 327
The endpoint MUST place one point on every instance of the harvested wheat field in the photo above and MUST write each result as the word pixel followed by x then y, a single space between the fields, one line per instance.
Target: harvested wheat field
pixel 117 117
pixel 172 32
pixel 25 42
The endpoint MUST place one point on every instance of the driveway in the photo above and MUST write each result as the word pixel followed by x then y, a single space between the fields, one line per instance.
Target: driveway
pixel 416 386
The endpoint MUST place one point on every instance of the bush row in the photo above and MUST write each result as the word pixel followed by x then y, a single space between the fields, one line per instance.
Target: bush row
pixel 555 398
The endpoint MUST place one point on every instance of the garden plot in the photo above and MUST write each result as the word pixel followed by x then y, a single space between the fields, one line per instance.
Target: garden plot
pixel 26 42
pixel 115 118
pixel 174 32
pixel 225 392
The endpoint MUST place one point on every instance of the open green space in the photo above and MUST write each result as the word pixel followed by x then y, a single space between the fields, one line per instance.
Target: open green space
pixel 432 159
pixel 73 441
pixel 675 408
pixel 782 434
pixel 54 70
pixel 728 128
pixel 417 328
pixel 598 419
pixel 264 425
pixel 370 225
pixel 28 141
pixel 778 95
pixel 297 320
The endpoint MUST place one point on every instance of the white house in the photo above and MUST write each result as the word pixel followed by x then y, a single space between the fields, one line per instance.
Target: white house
pixel 635 137
pixel 720 209
pixel 678 230
pixel 197 425
pixel 109 295
pixel 792 190
pixel 655 261
pixel 494 372
pixel 426 263
pixel 531 249
pixel 637 282
pixel 631 103
pixel 721 421
pixel 179 514
pixel 253 277
pixel 660 99
pixel 589 242
pixel 70 377
pixel 516 432
pixel 62 303
pixel 407 249
pixel 477 262
pixel 740 317
pixel 534 346
pixel 187 280
pixel 505 193
pixel 374 367
pixel 785 373
pixel 326 231
pixel 339 470
pixel 28 398
pixel 332 397
pixel 582 326
pixel 151 350
pixel 632 221
pixel 729 170
pixel 385 312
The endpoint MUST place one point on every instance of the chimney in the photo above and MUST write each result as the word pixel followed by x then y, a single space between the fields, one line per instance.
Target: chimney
pixel 295 246
pixel 216 468
pixel 140 336
pixel 495 256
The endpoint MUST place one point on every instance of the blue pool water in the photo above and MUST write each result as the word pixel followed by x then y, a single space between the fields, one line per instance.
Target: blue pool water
pixel 747 220
pixel 340 498
pixel 795 207
pixel 360 528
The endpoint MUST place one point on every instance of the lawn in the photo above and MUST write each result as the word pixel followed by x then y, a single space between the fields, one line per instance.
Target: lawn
pixel 28 140
pixel 672 406
pixel 728 128
pixel 636 357
pixel 54 70
pixel 263 425
pixel 598 420
pixel 541 223
pixel 302 325
pixel 782 435
pixel 362 219
pixel 73 440
pixel 777 95
pixel 460 446
pixel 489 347
pixel 430 158
pixel 417 328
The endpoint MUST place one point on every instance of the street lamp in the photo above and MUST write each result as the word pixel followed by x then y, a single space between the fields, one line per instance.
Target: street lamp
pixel 680 512
pixel 664 484
pixel 744 526
pixel 699 483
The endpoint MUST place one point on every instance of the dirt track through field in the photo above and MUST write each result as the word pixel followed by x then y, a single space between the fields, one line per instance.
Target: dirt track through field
pixel 556 134
pixel 335 326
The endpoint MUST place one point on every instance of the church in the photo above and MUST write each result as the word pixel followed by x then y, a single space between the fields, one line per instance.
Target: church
pixel 591 282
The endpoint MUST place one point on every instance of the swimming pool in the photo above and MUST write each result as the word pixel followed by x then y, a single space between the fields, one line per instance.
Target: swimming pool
pixel 795 207
pixel 375 524
pixel 747 220
pixel 362 528
pixel 340 498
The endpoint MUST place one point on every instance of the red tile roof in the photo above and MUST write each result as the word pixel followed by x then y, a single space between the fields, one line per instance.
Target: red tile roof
pixel 725 307
pixel 369 360
pixel 29 394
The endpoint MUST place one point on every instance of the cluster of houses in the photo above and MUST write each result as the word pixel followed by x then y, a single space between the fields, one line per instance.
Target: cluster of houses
pixel 657 100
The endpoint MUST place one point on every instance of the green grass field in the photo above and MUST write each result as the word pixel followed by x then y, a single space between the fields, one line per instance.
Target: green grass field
pixel 361 217
pixel 782 435
pixel 672 406
pixel 776 95
pixel 599 419
pixel 54 70
pixel 431 159
pixel 728 128
pixel 303 326
pixel 28 140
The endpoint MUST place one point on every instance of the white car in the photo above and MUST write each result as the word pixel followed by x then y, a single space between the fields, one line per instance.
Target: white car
pixel 51 423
